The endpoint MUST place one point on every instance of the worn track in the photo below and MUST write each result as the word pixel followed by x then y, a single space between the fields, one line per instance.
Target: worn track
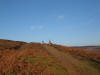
pixel 74 66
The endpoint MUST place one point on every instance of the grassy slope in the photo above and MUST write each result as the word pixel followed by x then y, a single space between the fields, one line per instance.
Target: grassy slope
pixel 20 58
pixel 90 59
pixel 73 65
pixel 31 59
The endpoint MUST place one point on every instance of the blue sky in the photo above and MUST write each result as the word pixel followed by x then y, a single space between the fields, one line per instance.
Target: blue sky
pixel 68 22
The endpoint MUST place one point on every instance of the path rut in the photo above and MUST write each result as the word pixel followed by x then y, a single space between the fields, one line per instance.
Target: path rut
pixel 73 66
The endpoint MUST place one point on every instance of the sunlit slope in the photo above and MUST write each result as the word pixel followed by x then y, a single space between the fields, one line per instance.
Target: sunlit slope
pixel 21 58
pixel 73 65
pixel 9 44
pixel 30 59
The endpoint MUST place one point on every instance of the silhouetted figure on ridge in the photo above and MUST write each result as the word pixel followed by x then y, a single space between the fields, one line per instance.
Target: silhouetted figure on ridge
pixel 50 43
pixel 42 42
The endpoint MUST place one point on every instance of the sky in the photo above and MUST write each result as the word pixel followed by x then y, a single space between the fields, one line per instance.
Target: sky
pixel 66 22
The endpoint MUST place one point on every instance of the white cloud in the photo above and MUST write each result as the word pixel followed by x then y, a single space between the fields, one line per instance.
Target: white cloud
pixel 38 27
pixel 61 17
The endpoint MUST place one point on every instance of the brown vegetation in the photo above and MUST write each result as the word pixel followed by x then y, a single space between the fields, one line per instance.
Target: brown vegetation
pixel 29 59
pixel 81 54
pixel 90 48
pixel 8 44
pixel 21 58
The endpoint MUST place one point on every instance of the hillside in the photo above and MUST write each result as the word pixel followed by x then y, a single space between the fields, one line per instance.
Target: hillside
pixel 81 54
pixel 91 48
pixel 9 44
pixel 21 58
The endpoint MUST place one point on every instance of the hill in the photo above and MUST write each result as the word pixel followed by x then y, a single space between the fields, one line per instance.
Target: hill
pixel 21 58
pixel 9 44
pixel 91 48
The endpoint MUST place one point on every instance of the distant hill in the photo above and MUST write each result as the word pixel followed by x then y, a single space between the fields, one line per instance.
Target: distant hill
pixel 91 48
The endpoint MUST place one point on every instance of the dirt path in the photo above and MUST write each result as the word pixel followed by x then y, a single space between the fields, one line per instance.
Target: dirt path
pixel 74 66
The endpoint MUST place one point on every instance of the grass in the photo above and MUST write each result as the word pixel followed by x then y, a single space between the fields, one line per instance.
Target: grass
pixel 45 62
pixel 38 59
pixel 11 73
pixel 57 70
pixel 90 67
